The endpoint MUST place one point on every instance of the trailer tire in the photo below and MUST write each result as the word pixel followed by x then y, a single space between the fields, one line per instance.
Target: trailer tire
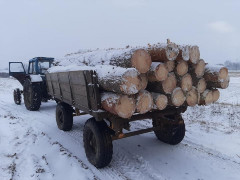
pixel 17 96
pixel 32 95
pixel 170 132
pixel 64 116
pixel 97 143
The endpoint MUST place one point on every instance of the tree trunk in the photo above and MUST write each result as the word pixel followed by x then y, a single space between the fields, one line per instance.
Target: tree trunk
pixel 181 68
pixel 192 97
pixel 160 101
pixel 198 69
pixel 185 82
pixel 220 84
pixel 216 95
pixel 183 53
pixel 144 102
pixel 206 97
pixel 170 65
pixel 121 105
pixel 165 87
pixel 157 72
pixel 194 54
pixel 216 73
pixel 177 98
pixel 163 52
pixel 119 80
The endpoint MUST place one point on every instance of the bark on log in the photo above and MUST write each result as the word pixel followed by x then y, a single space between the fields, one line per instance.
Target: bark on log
pixel 119 80
pixel 144 102
pixel 220 84
pixel 170 65
pixel 198 69
pixel 157 72
pixel 160 101
pixel 194 54
pixel 185 82
pixel 216 73
pixel 216 95
pixel 183 53
pixel 121 105
pixel 163 52
pixel 125 57
pixel 165 87
pixel 192 97
pixel 206 97
pixel 177 98
pixel 181 68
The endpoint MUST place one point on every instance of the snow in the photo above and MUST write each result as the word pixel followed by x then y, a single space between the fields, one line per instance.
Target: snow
pixel 36 78
pixel 32 147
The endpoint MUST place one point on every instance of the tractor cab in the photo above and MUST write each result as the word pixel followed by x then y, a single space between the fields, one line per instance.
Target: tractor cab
pixel 36 66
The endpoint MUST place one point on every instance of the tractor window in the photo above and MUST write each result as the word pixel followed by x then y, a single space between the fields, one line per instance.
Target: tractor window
pixel 16 67
pixel 43 66
pixel 32 68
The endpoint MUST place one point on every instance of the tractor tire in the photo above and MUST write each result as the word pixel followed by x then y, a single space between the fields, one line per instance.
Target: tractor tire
pixel 171 132
pixel 17 96
pixel 64 116
pixel 97 143
pixel 32 95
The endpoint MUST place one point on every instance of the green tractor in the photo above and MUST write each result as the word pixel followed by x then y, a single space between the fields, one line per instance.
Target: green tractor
pixel 33 82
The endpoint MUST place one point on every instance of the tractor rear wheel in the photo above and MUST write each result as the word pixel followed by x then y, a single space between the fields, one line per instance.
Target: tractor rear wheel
pixel 64 116
pixel 172 131
pixel 17 96
pixel 32 95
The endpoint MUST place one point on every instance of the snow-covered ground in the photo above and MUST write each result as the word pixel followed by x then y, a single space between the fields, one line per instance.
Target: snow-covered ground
pixel 32 147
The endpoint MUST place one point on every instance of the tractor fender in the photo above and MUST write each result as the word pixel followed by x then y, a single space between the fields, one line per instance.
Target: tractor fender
pixel 36 78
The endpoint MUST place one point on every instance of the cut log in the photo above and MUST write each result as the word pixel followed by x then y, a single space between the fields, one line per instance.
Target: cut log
pixel 121 105
pixel 206 97
pixel 157 72
pixel 192 97
pixel 163 52
pixel 160 101
pixel 170 65
pixel 177 98
pixel 144 102
pixel 144 81
pixel 125 57
pixel 216 95
pixel 220 84
pixel 216 73
pixel 194 54
pixel 165 87
pixel 201 85
pixel 119 80
pixel 183 53
pixel 181 68
pixel 185 82
pixel 198 69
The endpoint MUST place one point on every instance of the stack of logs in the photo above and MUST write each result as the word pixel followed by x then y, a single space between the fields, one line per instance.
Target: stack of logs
pixel 151 78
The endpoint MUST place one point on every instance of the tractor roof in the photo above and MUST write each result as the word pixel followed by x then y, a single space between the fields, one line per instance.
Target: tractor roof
pixel 41 59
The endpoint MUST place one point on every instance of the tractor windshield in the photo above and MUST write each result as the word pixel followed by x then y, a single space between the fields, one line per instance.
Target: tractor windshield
pixel 44 66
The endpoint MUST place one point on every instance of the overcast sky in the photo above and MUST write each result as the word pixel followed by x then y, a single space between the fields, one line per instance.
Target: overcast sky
pixel 53 28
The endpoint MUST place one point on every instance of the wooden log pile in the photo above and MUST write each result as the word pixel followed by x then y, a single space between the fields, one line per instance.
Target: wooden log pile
pixel 139 80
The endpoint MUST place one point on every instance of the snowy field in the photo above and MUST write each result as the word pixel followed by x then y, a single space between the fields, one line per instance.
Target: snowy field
pixel 32 147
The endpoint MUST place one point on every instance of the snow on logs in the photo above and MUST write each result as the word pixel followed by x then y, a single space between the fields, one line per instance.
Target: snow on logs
pixel 139 80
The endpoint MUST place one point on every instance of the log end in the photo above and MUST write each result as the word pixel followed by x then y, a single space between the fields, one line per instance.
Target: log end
pixel 161 72
pixel 172 51
pixel 125 107
pixel 178 97
pixel 223 73
pixel 161 102
pixel 192 97
pixel 170 65
pixel 200 68
pixel 131 83
pixel 202 85
pixel 144 102
pixel 194 54
pixel 186 82
pixel 216 95
pixel 206 97
pixel 182 68
pixel 143 81
pixel 141 60
pixel 169 84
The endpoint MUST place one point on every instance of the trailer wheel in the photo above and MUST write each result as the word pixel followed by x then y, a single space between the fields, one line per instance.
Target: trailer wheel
pixel 64 116
pixel 32 95
pixel 170 132
pixel 17 96
pixel 97 143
